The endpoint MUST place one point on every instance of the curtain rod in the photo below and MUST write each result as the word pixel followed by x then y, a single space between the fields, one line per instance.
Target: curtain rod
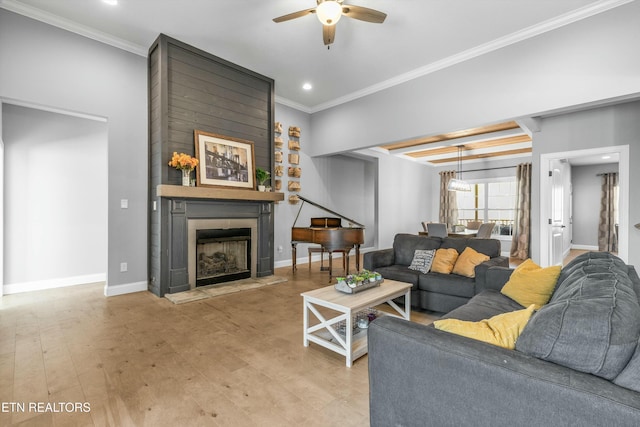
pixel 604 173
pixel 489 169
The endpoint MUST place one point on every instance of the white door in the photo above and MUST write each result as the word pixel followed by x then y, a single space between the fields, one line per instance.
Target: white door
pixel 557 217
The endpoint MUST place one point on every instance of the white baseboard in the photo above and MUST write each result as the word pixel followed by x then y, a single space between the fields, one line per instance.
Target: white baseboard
pixel 125 288
pixel 39 285
pixel 584 247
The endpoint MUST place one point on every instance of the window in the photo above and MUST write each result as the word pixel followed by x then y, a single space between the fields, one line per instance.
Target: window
pixel 490 201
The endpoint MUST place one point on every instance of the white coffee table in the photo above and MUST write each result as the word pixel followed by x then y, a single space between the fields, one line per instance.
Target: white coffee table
pixel 347 306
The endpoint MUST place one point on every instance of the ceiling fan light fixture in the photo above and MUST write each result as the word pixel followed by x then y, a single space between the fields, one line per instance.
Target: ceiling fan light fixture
pixel 329 12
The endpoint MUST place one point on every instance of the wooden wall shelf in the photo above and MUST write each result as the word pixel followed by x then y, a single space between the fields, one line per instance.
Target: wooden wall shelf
pixel 182 192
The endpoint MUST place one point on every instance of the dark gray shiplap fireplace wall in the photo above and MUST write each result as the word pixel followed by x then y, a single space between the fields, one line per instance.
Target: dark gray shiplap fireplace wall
pixel 190 89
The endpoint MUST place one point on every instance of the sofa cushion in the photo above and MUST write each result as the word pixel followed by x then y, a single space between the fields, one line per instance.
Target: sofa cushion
pixel 422 259
pixel 401 274
pixel 591 258
pixel 444 261
pixel 531 284
pixel 467 262
pixel 630 375
pixel 489 247
pixel 592 322
pixel 448 284
pixel 486 304
pixel 502 330
pixel 405 245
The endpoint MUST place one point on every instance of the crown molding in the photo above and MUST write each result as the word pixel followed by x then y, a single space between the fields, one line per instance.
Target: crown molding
pixel 42 107
pixel 74 27
pixel 292 104
pixel 516 37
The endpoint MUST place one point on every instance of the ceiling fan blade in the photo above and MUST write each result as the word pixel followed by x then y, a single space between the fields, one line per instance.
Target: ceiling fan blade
pixel 363 14
pixel 328 34
pixel 294 15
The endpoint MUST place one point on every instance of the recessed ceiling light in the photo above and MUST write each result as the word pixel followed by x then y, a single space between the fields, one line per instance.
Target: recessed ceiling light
pixel 606 157
pixel 307 86
pixel 110 2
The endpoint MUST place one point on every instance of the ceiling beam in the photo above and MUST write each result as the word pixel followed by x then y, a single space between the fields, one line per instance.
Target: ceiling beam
pixel 483 155
pixel 492 143
pixel 530 124
pixel 451 135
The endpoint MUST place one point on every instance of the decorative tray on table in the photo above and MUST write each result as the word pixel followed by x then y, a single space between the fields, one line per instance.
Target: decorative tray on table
pixel 355 283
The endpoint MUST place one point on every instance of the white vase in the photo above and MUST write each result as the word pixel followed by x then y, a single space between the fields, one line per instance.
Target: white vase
pixel 186 177
pixel 261 187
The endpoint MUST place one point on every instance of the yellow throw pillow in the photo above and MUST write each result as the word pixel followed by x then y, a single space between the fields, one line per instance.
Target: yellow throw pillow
pixel 444 261
pixel 531 284
pixel 502 330
pixel 467 261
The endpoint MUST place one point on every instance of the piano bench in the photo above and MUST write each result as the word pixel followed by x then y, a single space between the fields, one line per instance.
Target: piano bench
pixel 316 249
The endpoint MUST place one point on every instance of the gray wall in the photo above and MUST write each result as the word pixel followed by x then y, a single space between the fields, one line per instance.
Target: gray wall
pixel 548 72
pixel 311 182
pixel 404 197
pixel 352 186
pixel 1 206
pixel 348 184
pixel 56 199
pixel 595 128
pixel 43 65
pixel 587 61
pixel 344 184
pixel 586 187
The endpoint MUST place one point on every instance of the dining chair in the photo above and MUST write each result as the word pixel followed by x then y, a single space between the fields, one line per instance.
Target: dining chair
pixel 485 230
pixel 473 225
pixel 436 229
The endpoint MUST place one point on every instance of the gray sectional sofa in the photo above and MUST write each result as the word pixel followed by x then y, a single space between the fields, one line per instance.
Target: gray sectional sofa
pixel 576 363
pixel 434 291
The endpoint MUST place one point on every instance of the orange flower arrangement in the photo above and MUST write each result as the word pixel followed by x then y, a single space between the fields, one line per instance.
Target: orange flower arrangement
pixel 183 161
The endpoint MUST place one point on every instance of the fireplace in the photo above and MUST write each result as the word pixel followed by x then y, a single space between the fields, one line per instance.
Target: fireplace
pixel 221 250
pixel 222 255
pixel 183 211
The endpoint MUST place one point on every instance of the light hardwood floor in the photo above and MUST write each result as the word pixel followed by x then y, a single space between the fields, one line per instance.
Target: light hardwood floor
pixel 514 262
pixel 139 360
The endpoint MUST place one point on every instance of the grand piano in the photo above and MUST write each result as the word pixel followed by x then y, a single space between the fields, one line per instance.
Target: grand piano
pixel 329 233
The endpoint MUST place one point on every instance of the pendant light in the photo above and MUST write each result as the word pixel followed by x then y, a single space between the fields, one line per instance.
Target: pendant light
pixel 459 184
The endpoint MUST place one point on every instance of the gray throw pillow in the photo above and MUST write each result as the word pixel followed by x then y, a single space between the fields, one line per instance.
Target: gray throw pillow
pixel 591 324
pixel 422 259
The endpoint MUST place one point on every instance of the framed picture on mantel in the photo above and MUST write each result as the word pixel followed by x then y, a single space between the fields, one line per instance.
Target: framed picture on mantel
pixel 224 161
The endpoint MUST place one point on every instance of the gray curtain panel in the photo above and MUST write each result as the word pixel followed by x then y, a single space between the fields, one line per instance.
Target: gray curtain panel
pixel 522 221
pixel 448 205
pixel 607 232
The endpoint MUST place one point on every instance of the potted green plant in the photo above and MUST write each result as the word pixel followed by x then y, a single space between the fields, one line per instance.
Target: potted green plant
pixel 262 176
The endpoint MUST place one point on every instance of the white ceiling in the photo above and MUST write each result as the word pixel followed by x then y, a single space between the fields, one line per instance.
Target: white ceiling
pixel 417 36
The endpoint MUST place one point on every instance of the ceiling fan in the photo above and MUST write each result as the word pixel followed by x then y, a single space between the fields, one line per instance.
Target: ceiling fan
pixel 329 13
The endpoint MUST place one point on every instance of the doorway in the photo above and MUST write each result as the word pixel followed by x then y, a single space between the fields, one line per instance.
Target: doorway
pixel 596 156
pixel 55 198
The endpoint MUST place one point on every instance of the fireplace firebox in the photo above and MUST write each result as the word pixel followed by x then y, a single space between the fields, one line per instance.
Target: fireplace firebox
pixel 222 255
